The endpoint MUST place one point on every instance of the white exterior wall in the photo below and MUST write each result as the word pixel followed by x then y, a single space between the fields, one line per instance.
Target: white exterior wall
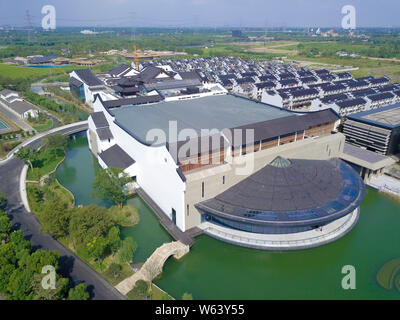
pixel 89 96
pixel 32 112
pixel 155 170
pixel 102 144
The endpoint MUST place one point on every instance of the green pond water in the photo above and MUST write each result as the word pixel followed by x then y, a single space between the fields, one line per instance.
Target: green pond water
pixel 216 270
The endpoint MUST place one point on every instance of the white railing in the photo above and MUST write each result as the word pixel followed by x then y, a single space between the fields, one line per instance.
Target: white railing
pixel 283 243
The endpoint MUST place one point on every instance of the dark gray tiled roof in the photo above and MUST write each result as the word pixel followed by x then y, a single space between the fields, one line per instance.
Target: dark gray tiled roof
pixel 132 101
pixel 351 103
pixel 279 127
pixel 75 82
pixel 99 120
pixel 362 154
pixel 190 75
pixel 118 70
pixel 149 74
pixel 381 96
pixel 88 77
pixel 303 193
pixel 21 106
pixel 115 157
pixel 104 133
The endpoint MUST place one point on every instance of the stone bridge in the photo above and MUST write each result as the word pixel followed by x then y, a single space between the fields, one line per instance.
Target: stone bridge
pixel 154 264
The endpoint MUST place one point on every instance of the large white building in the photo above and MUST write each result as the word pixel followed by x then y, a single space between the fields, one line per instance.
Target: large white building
pixel 189 155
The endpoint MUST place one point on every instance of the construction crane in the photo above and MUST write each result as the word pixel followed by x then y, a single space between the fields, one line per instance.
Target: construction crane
pixel 136 58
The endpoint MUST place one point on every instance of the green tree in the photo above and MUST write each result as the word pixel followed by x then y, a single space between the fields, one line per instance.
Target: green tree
pixel 5 224
pixel 127 250
pixel 55 141
pixel 40 258
pixel 55 218
pixel 78 293
pixel 98 248
pixel 18 240
pixel 3 200
pixel 40 293
pixel 20 284
pixel 109 184
pixel 140 290
pixel 27 155
pixel 89 222
pixel 6 270
pixel 114 239
pixel 114 270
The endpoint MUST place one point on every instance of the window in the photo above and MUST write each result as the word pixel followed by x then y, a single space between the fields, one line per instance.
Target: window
pixel 187 210
pixel 202 189
pixel 223 179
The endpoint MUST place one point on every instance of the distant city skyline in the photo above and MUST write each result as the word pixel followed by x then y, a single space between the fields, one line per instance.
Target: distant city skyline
pixel 201 13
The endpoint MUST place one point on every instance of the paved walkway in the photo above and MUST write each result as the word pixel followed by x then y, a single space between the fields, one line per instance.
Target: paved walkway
pixel 153 265
pixel 71 266
pixel 386 184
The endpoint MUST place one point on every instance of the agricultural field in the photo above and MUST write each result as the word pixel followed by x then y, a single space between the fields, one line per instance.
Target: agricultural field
pixel 15 72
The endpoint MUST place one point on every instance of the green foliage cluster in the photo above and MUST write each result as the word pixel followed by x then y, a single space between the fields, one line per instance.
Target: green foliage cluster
pixel 90 229
pixel 67 112
pixel 140 291
pixel 44 161
pixel 109 184
pixel 40 162
pixel 21 269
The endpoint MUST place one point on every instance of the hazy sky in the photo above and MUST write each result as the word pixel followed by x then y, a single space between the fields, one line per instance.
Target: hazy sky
pixel 200 13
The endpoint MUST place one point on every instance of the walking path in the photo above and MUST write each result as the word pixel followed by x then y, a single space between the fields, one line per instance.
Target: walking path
pixel 385 183
pixel 153 265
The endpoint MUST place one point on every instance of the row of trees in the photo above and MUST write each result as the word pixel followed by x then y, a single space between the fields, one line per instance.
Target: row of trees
pixel 21 268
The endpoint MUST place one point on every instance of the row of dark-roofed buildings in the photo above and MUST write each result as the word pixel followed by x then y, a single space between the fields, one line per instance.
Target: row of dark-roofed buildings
pixel 290 86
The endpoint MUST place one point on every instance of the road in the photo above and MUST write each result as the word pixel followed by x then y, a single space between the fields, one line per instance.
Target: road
pixel 70 265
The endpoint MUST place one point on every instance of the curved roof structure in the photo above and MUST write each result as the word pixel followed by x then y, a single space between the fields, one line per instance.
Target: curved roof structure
pixel 289 193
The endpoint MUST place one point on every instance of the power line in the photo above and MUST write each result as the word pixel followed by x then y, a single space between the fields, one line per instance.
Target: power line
pixel 29 23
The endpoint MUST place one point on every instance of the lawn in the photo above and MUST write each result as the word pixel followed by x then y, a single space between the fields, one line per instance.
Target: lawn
pixel 127 216
pixel 142 291
pixel 45 163
pixel 44 127
pixel 35 192
pixel 15 72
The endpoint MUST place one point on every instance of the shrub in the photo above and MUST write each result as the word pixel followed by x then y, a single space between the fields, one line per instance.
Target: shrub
pixel 140 291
